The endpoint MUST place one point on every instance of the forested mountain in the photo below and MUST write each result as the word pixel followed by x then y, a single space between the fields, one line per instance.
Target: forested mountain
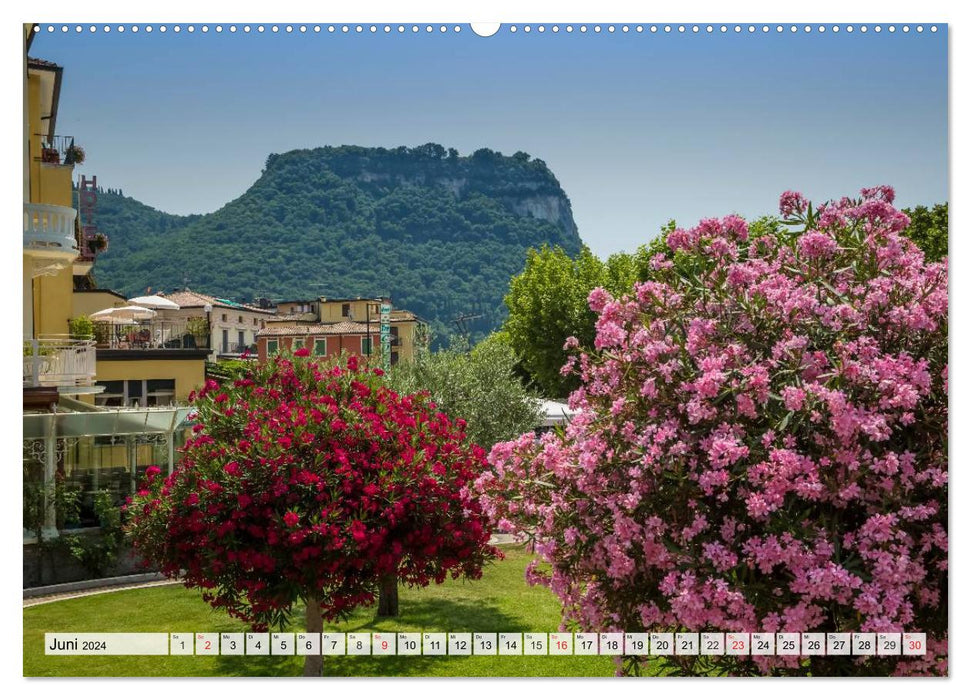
pixel 441 233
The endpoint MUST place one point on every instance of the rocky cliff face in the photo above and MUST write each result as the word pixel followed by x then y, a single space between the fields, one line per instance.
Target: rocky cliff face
pixel 524 185
pixel 552 208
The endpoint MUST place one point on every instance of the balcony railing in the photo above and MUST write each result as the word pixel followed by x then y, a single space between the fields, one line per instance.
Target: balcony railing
pixel 151 335
pixel 49 230
pixel 58 361
pixel 237 348
pixel 57 150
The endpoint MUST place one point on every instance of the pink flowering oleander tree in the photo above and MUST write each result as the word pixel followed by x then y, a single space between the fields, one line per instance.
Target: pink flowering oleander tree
pixel 761 445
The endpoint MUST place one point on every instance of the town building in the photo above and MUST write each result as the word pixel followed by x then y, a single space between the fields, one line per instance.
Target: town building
pixel 328 327
pixel 95 415
pixel 232 326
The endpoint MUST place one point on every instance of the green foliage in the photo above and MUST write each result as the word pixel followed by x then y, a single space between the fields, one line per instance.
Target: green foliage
pixel 43 349
pixel 928 229
pixel 198 327
pixel 34 496
pixel 480 386
pixel 441 233
pixel 99 552
pixel 81 328
pixel 227 369
pixel 547 302
pixel 67 502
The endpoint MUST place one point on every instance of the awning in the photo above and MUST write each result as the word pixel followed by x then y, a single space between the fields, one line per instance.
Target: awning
pixel 122 421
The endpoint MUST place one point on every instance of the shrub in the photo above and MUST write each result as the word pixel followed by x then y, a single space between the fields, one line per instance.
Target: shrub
pixel 315 482
pixel 761 444
pixel 81 328
pixel 480 386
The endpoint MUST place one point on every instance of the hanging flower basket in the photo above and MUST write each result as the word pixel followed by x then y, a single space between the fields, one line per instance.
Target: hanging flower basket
pixel 73 154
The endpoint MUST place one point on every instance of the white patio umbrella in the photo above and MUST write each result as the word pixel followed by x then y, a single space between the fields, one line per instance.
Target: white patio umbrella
pixel 154 301
pixel 123 314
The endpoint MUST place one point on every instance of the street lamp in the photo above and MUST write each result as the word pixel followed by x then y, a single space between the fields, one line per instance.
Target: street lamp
pixel 208 309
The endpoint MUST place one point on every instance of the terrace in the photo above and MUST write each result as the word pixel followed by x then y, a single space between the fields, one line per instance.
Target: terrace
pixel 151 335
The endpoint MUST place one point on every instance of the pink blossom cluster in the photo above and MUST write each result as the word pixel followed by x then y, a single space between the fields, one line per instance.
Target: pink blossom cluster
pixel 760 443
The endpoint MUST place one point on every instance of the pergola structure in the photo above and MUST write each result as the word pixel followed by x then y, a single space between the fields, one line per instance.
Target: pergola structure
pixel 78 439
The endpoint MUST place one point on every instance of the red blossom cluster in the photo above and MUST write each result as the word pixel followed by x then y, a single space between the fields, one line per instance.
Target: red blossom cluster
pixel 313 481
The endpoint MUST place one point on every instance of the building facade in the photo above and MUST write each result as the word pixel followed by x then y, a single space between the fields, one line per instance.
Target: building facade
pixel 233 326
pixel 95 414
pixel 328 327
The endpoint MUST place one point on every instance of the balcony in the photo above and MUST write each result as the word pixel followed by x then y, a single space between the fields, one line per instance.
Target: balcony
pixel 59 150
pixel 150 335
pixel 50 240
pixel 58 361
pixel 238 349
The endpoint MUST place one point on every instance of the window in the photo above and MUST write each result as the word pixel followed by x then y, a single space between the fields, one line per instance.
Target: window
pixel 113 395
pixel 137 393
pixel 366 346
pixel 394 358
pixel 255 322
pixel 240 319
pixel 224 317
pixel 225 339
pixel 320 347
pixel 345 310
pixel 159 392
pixel 272 347
pixel 241 341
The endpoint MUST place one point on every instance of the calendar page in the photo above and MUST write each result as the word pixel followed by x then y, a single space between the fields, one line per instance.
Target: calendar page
pixel 518 349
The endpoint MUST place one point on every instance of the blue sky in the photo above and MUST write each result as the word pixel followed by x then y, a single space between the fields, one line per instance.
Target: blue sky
pixel 638 128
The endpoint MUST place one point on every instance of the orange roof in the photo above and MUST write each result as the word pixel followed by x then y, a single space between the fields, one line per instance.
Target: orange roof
pixel 189 299
pixel 342 328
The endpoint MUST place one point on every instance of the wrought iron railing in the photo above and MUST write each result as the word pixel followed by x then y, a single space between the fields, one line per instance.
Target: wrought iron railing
pixel 58 150
pixel 150 335
pixel 238 348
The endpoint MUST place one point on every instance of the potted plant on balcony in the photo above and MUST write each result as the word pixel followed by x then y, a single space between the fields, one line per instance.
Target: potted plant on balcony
pixel 198 327
pixel 73 155
pixel 102 334
pixel 50 155
pixel 81 328
pixel 98 243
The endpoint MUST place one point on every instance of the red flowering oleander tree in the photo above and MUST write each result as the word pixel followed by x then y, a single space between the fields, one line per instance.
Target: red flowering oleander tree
pixel 314 482
pixel 761 445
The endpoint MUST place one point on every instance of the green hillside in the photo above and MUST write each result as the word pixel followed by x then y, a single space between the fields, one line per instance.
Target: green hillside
pixel 441 233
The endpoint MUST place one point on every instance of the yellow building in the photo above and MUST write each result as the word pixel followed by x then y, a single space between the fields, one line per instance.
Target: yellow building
pixel 300 318
pixel 53 361
pixel 96 415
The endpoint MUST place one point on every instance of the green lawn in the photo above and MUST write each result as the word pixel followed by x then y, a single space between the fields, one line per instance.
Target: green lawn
pixel 499 602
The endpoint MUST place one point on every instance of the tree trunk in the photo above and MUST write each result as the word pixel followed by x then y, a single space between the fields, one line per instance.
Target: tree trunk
pixel 313 665
pixel 388 600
